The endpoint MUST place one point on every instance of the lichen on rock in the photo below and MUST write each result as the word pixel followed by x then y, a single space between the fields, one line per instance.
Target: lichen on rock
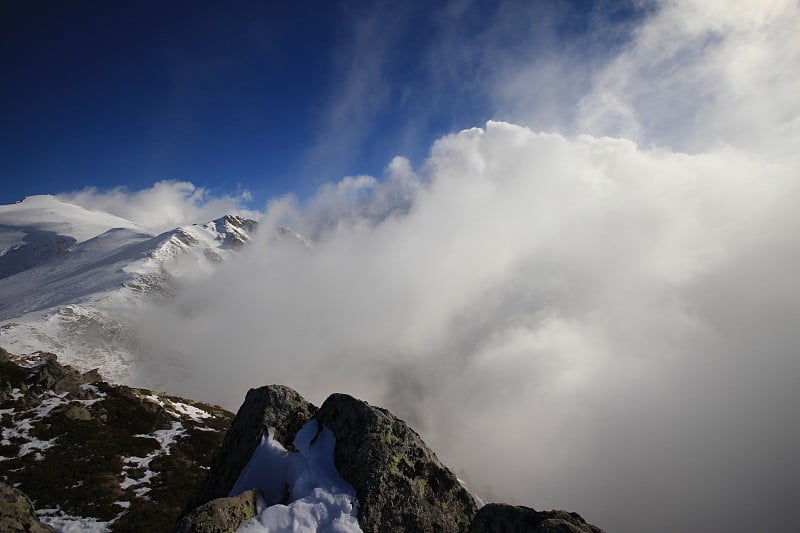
pixel 273 406
pixel 400 483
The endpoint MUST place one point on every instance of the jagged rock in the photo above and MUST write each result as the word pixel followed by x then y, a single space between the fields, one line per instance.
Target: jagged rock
pixel 17 513
pixel 503 518
pixel 270 406
pixel 221 515
pixel 399 481
pixel 61 378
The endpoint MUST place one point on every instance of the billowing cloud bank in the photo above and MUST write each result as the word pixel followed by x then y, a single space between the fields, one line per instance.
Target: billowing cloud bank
pixel 570 322
pixel 577 322
pixel 164 206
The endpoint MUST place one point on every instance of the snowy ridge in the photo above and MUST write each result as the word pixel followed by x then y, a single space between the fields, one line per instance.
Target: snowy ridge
pixel 50 214
pixel 69 277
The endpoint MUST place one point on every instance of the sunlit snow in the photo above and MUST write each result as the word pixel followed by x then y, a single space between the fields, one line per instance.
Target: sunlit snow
pixel 314 495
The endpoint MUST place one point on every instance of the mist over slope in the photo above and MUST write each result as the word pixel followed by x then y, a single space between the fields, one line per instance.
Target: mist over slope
pixel 603 323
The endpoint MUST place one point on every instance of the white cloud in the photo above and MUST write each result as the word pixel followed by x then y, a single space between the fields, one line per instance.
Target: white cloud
pixel 602 324
pixel 164 206
pixel 550 312
pixel 696 74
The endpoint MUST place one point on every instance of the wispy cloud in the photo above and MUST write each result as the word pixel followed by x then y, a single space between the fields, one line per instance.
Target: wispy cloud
pixel 696 74
pixel 360 88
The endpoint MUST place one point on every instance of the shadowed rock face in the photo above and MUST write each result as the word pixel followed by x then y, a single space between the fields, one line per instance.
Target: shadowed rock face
pixel 17 514
pixel 399 481
pixel 502 518
pixel 271 406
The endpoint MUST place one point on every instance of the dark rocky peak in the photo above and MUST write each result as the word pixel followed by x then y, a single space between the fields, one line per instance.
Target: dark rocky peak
pixel 273 406
pixel 400 483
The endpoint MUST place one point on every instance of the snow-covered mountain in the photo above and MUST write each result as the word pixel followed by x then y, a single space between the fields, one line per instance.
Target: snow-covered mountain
pixel 69 277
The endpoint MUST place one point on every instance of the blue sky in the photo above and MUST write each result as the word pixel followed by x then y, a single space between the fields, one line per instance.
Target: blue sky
pixel 272 97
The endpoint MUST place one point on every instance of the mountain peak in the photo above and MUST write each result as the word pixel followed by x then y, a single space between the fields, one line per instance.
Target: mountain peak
pixel 45 212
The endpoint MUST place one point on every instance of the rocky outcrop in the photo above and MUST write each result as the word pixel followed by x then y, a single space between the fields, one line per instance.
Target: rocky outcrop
pixel 502 518
pixel 55 377
pixel 17 513
pixel 400 483
pixel 271 406
pixel 129 459
pixel 221 515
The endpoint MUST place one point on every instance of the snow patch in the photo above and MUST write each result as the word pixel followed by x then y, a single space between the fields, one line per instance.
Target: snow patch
pixel 25 419
pixel 318 498
pixel 165 438
pixel 99 395
pixel 64 523
pixel 179 409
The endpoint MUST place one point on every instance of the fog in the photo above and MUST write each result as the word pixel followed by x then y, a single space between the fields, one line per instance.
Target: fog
pixel 603 320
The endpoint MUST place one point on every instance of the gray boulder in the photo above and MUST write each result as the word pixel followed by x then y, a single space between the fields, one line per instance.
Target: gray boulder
pixel 270 406
pixel 222 515
pixel 400 483
pixel 17 513
pixel 503 518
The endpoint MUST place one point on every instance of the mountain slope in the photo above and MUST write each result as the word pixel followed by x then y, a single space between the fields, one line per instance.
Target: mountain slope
pixel 95 456
pixel 69 277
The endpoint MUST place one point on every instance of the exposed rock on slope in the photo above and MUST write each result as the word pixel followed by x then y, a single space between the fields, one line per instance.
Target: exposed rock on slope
pixel 400 484
pixel 399 481
pixel 94 455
